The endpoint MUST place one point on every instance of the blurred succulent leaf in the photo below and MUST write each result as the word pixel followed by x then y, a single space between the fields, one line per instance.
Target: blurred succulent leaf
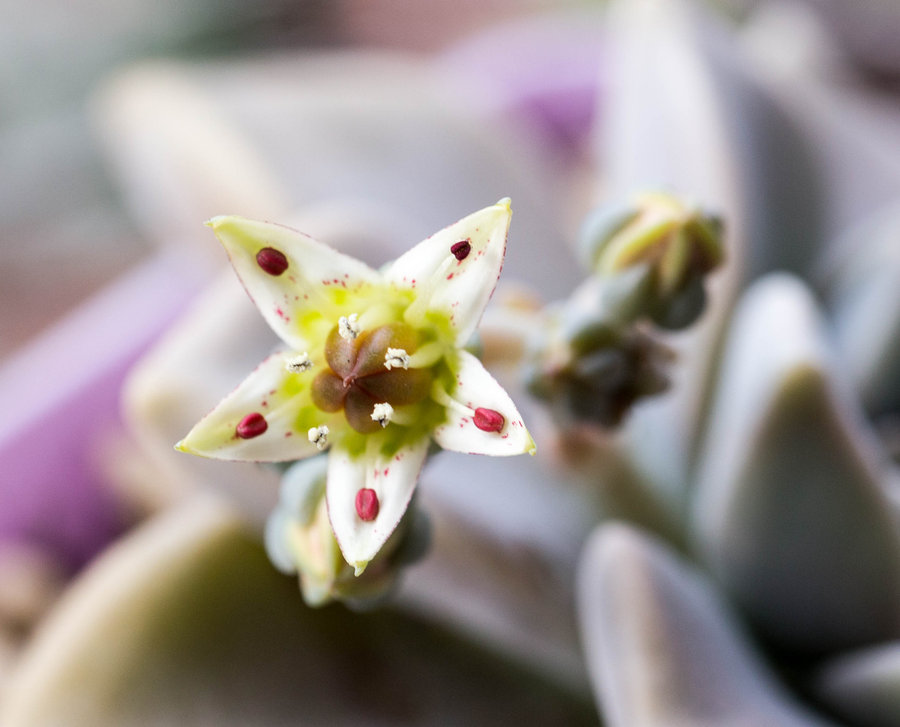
pixel 862 293
pixel 320 130
pixel 665 128
pixel 186 622
pixel 864 686
pixel 791 510
pixel 509 551
pixel 662 649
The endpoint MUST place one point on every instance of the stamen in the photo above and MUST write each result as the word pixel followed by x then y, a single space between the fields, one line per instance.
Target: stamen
pixel 461 249
pixel 382 414
pixel 272 261
pixel 299 363
pixel 318 436
pixel 442 397
pixel 251 426
pixel 488 420
pixel 367 504
pixel 396 358
pixel 348 327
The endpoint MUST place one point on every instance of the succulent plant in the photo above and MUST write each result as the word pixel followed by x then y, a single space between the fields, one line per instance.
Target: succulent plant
pixel 711 520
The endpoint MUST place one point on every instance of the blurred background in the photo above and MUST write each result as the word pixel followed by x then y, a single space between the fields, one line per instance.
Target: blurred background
pixel 122 124
pixel 65 229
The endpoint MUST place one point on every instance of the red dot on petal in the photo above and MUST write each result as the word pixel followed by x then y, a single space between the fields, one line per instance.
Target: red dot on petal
pixel 488 420
pixel 461 249
pixel 251 426
pixel 367 504
pixel 272 261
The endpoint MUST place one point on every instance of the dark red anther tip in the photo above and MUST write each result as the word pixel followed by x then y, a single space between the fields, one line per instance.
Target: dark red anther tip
pixel 272 261
pixel 461 249
pixel 251 426
pixel 367 504
pixel 488 420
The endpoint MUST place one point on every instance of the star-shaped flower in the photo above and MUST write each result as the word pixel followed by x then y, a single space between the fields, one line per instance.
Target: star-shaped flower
pixel 374 367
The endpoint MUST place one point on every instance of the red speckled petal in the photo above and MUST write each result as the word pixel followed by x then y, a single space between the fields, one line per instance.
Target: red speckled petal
pixel 279 396
pixel 303 287
pixel 476 388
pixel 392 478
pixel 461 288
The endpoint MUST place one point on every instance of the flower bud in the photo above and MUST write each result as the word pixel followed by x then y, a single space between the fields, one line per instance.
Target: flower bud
pixel 592 372
pixel 299 539
pixel 652 257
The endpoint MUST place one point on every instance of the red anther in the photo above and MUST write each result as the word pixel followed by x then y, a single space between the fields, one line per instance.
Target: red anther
pixel 367 504
pixel 272 261
pixel 488 420
pixel 251 426
pixel 461 249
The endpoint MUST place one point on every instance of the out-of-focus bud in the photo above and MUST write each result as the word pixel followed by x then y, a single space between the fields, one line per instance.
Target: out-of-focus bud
pixel 299 539
pixel 592 372
pixel 652 257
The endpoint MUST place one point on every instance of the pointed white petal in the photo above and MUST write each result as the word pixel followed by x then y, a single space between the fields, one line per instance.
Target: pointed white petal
pixel 476 388
pixel 311 279
pixel 392 478
pixel 280 397
pixel 459 287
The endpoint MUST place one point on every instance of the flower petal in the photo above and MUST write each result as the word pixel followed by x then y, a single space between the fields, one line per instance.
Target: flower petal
pixel 458 283
pixel 477 389
pixel 280 398
pixel 393 478
pixel 295 277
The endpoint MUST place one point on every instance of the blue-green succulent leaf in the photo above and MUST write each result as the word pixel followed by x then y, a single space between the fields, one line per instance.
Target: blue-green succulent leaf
pixel 662 648
pixel 792 511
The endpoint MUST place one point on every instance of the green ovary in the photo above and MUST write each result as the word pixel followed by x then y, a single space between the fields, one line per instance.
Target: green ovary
pixel 357 379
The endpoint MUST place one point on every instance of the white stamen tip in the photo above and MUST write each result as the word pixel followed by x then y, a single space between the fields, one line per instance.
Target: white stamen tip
pixel 299 363
pixel 318 436
pixel 382 413
pixel 396 358
pixel 348 327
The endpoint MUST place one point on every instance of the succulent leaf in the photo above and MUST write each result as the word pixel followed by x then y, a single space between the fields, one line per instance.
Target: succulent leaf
pixel 663 650
pixel 863 296
pixel 185 622
pixel 791 511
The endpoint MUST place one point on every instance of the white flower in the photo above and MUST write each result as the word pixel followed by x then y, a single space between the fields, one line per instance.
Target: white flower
pixel 350 321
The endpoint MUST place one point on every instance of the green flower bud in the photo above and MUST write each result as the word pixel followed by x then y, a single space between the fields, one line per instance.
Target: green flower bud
pixel 652 257
pixel 592 372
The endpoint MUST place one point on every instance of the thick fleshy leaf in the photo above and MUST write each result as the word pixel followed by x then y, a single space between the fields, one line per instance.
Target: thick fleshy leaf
pixel 662 649
pixel 306 278
pixel 665 126
pixel 186 622
pixel 393 479
pixel 455 283
pixel 863 296
pixel 864 686
pixel 281 398
pixel 477 389
pixel 791 510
